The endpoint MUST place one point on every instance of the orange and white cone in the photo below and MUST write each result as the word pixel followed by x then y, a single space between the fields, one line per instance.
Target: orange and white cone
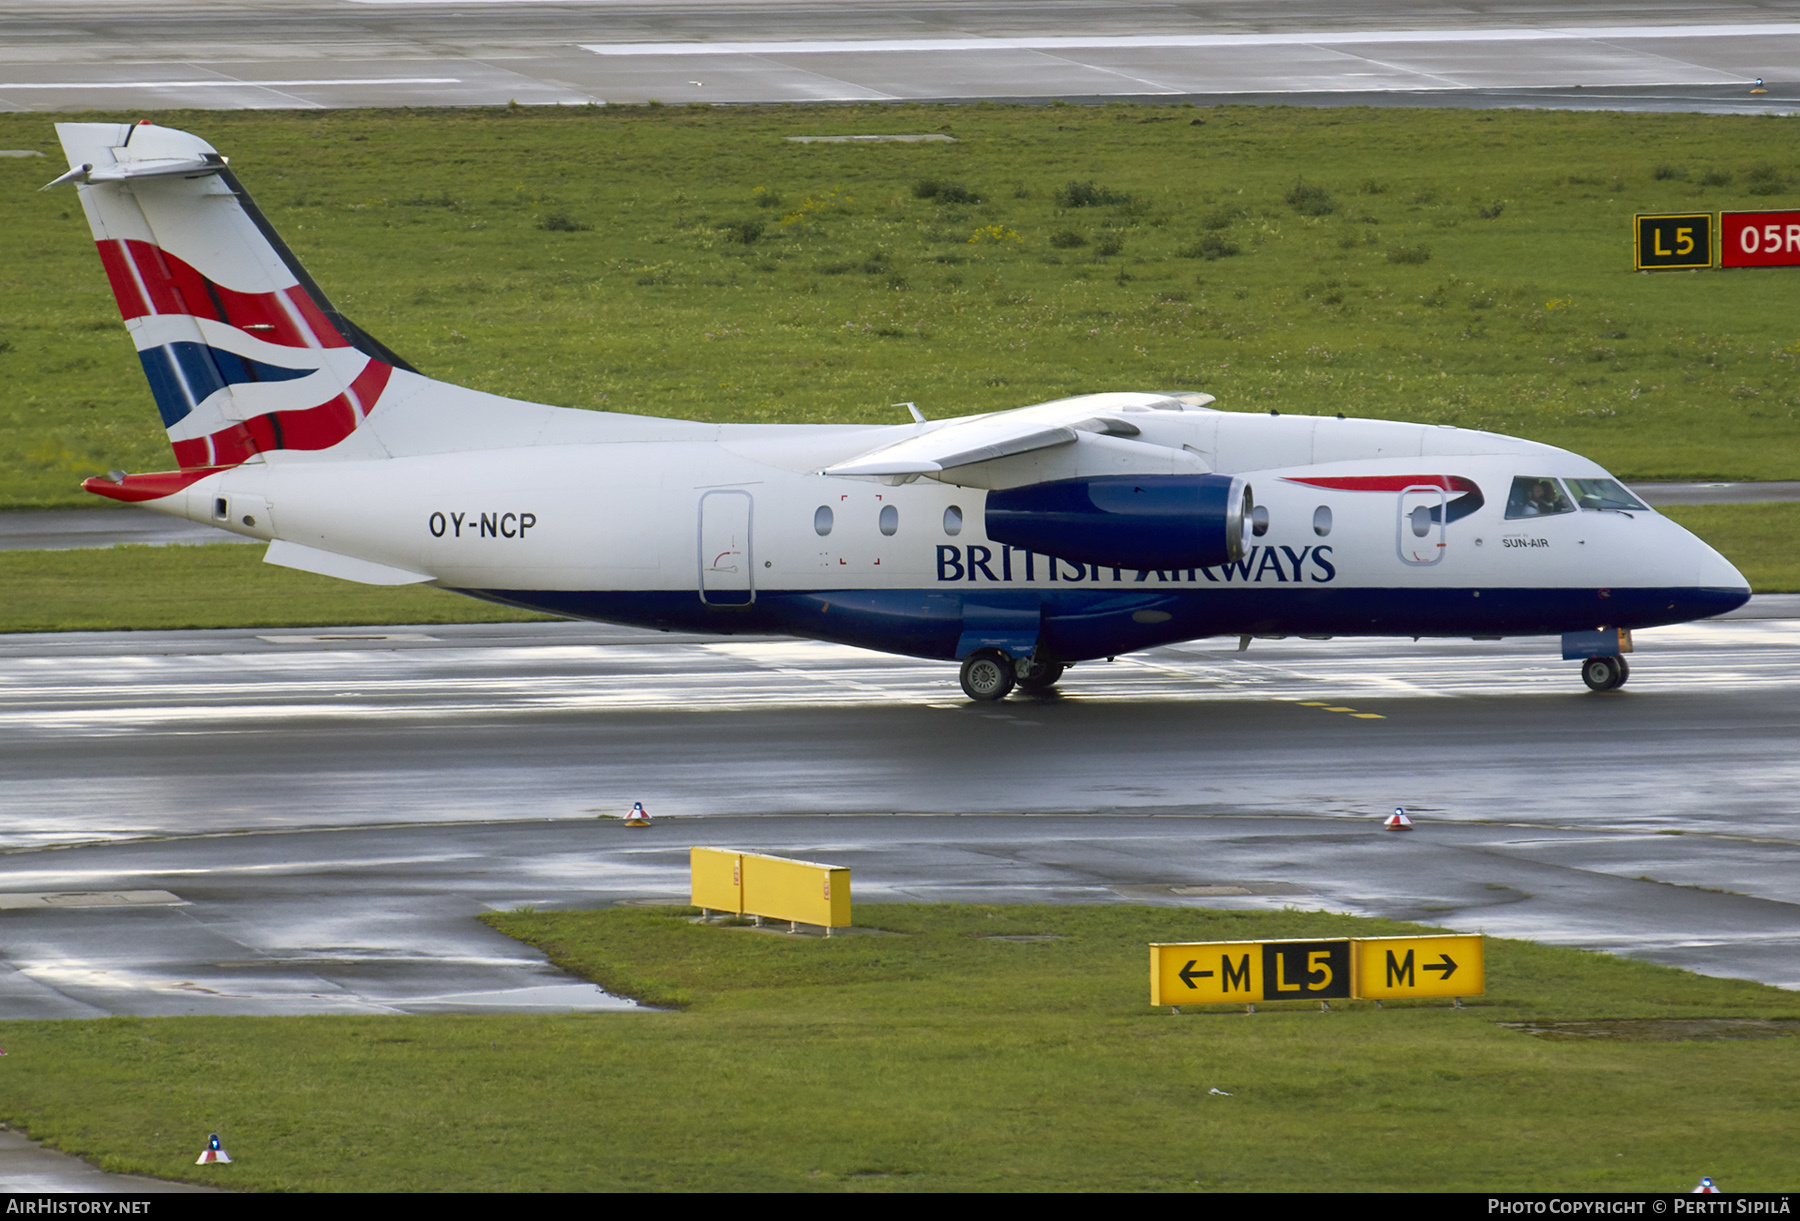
pixel 1398 821
pixel 639 816
pixel 214 1152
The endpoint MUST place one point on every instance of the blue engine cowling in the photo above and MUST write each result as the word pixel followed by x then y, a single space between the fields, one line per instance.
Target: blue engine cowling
pixel 1126 521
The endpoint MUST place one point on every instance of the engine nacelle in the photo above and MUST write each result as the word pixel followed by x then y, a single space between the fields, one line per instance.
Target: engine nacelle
pixel 1126 521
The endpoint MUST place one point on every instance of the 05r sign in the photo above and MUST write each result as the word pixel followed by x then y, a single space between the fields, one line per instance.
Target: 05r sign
pixel 1759 239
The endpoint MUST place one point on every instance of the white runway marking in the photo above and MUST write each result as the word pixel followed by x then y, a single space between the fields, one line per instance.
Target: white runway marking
pixel 1066 42
pixel 231 83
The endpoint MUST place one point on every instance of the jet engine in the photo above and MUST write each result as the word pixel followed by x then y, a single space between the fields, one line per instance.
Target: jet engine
pixel 1126 521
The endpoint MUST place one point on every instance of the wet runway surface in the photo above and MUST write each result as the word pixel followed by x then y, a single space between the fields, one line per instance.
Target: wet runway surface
pixel 109 55
pixel 281 822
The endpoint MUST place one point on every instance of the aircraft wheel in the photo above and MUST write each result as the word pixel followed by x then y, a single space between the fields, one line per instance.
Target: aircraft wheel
pixel 987 675
pixel 1041 676
pixel 1605 673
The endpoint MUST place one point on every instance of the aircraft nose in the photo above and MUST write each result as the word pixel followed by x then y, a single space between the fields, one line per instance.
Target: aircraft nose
pixel 1715 586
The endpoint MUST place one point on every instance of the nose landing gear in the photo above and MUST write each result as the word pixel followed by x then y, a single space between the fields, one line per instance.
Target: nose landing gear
pixel 1605 673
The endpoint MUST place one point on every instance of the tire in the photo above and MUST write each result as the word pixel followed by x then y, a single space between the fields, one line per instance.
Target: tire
pixel 1041 676
pixel 987 676
pixel 1604 673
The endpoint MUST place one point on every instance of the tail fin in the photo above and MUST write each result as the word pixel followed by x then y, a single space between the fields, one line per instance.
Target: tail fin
pixel 243 351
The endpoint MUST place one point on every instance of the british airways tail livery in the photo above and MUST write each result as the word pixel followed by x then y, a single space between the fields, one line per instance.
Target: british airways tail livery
pixel 1017 543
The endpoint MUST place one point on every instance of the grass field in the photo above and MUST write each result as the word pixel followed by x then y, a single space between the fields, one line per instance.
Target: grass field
pixel 941 1059
pixel 1469 267
pixel 142 588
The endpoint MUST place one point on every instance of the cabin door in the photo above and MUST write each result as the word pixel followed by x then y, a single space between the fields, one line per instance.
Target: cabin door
pixel 726 576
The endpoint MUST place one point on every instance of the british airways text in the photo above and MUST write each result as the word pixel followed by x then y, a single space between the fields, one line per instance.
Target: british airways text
pixel 1002 564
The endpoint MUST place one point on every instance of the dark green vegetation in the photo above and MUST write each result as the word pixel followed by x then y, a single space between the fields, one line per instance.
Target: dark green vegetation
pixel 942 1059
pixel 1451 266
pixel 145 588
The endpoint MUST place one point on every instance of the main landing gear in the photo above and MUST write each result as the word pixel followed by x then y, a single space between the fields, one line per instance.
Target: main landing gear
pixel 1605 673
pixel 989 675
pixel 1039 676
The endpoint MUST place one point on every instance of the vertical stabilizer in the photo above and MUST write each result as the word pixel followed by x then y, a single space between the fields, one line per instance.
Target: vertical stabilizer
pixel 244 354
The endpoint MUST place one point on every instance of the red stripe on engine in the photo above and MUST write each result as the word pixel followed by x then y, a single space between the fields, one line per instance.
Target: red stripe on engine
pixel 1387 483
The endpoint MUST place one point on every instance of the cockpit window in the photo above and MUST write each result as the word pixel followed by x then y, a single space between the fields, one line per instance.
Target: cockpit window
pixel 1602 494
pixel 1537 496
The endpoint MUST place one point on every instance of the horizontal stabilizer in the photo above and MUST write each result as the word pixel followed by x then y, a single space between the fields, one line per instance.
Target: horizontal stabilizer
pixel 344 567
pixel 159 167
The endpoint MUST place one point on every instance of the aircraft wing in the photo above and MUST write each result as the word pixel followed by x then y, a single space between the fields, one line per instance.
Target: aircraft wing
pixel 939 451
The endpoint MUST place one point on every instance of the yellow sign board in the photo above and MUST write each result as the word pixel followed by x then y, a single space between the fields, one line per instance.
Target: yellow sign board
pixel 1362 968
pixel 774 887
pixel 716 879
pixel 1235 972
pixel 1393 968
pixel 796 890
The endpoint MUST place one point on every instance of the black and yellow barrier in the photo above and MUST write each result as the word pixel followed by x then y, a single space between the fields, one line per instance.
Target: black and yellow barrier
pixel 1341 968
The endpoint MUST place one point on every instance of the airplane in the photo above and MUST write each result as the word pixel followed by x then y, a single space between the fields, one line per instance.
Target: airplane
pixel 1016 543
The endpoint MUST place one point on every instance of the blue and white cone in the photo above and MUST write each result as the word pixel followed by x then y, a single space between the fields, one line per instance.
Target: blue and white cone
pixel 214 1151
pixel 1398 821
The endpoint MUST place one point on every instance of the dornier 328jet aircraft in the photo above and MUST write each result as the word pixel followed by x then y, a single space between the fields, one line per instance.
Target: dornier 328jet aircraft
pixel 1017 543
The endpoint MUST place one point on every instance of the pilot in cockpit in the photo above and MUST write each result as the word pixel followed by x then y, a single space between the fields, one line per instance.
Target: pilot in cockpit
pixel 1536 497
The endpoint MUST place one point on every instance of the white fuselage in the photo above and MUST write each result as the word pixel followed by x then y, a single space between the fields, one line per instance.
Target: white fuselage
pixel 681 524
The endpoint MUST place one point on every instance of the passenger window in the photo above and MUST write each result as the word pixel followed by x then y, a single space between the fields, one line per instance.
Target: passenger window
pixel 1322 520
pixel 890 519
pixel 1536 496
pixel 1602 494
pixel 822 520
pixel 1259 520
pixel 953 520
